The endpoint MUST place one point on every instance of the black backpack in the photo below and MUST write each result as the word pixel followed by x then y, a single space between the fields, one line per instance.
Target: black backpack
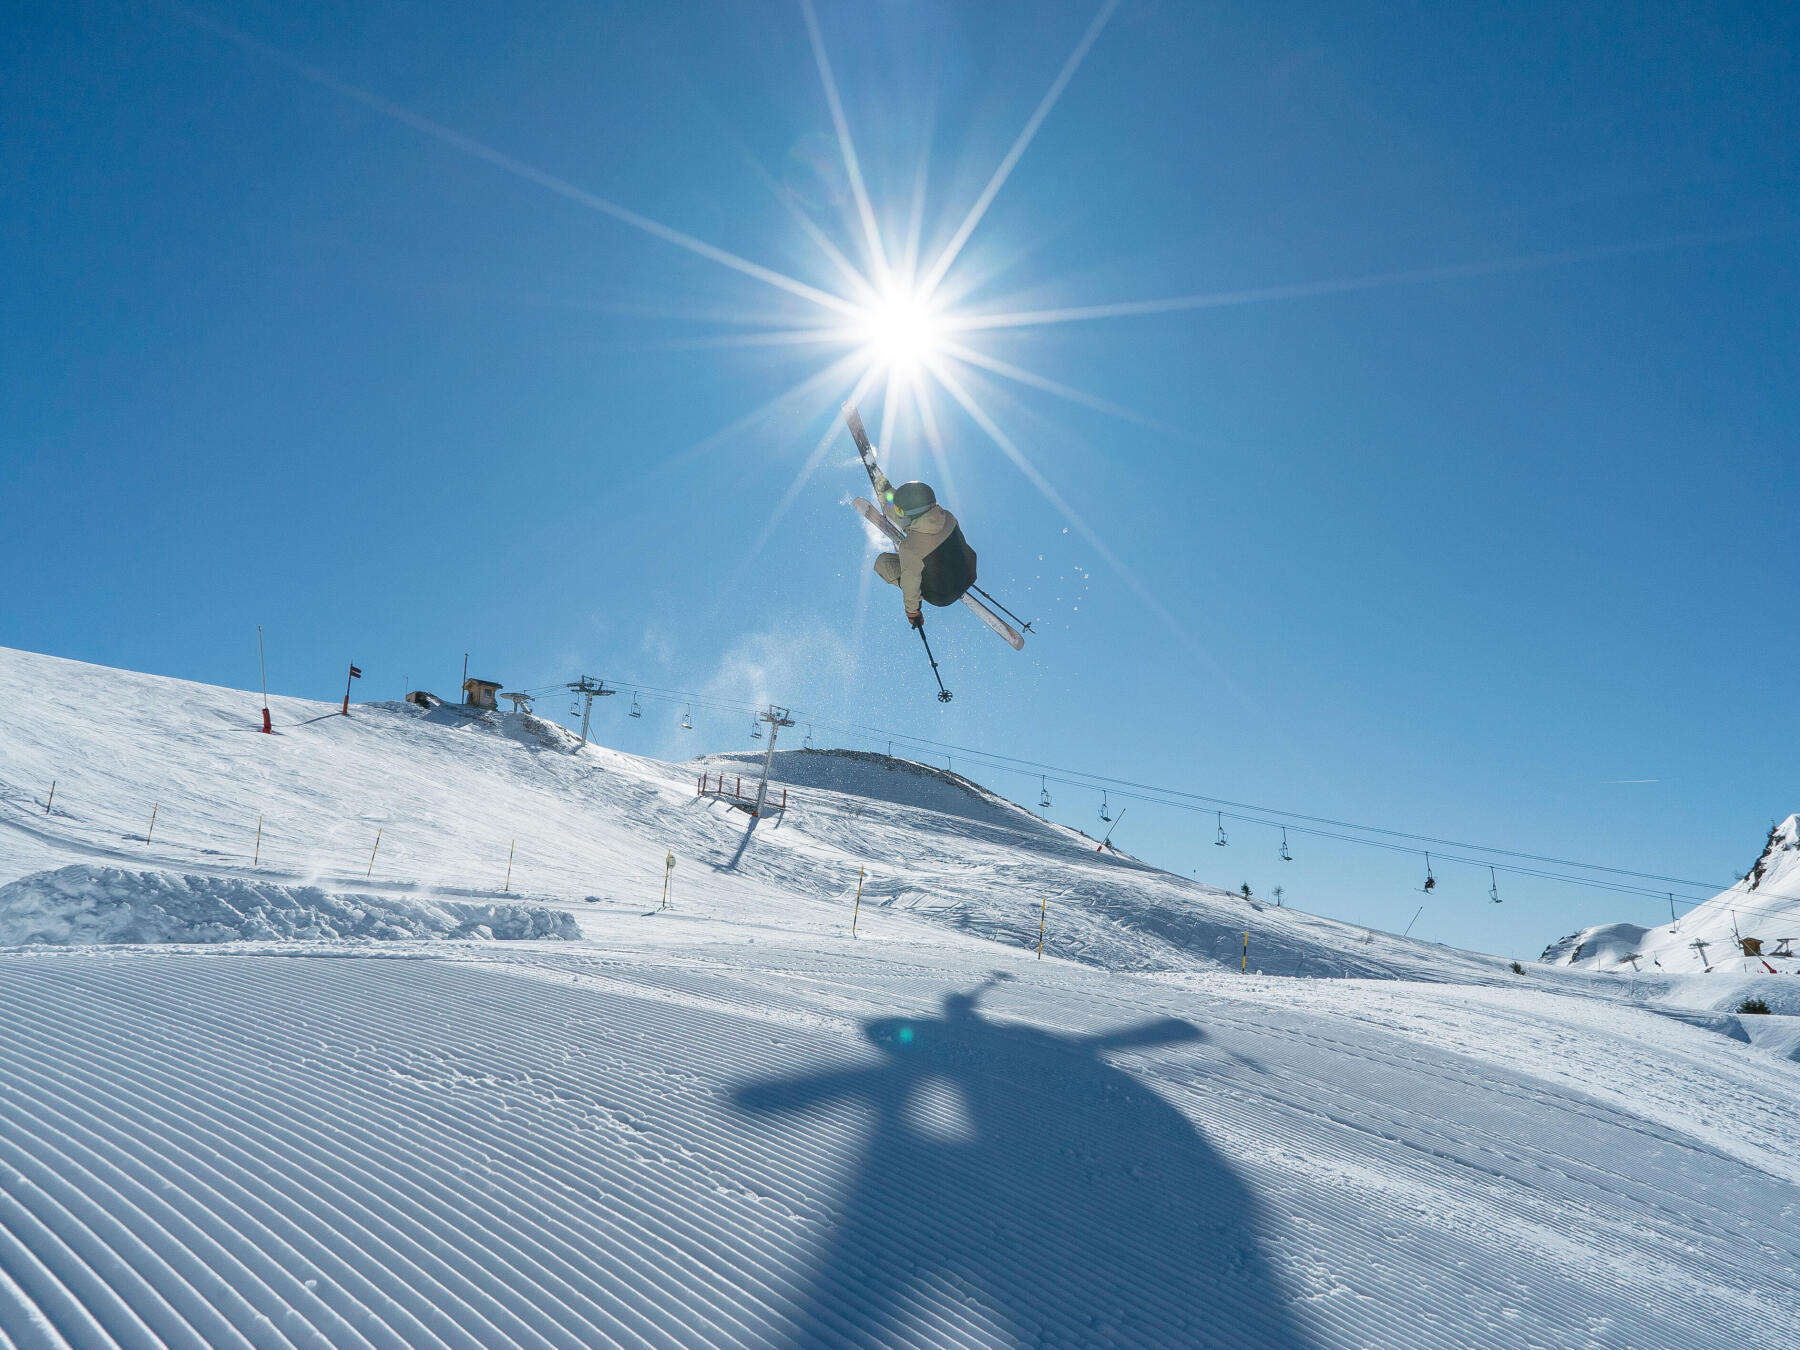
pixel 949 570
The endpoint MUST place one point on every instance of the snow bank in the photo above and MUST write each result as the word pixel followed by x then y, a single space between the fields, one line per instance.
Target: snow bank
pixel 84 904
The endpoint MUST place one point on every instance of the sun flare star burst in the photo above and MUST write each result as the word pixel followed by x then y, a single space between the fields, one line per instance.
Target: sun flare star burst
pixel 899 328
pixel 902 332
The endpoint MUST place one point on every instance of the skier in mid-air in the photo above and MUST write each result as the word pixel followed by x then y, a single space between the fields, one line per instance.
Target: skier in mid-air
pixel 932 563
pixel 932 560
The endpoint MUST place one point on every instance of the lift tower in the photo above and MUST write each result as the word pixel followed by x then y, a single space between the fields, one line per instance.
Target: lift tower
pixel 589 690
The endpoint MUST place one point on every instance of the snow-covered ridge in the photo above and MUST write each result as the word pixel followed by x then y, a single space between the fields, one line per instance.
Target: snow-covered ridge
pixel 1752 928
pixel 83 904
pixel 447 802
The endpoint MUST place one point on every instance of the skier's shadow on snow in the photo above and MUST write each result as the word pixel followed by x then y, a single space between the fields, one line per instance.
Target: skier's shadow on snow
pixel 1016 1188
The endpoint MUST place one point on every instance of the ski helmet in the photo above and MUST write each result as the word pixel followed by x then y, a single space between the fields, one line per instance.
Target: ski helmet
pixel 914 499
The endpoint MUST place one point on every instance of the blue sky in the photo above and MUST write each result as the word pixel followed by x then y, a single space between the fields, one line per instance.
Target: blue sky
pixel 1457 506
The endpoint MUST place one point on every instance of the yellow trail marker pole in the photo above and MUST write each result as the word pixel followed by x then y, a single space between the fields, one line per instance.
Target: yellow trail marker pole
pixel 152 829
pixel 1245 968
pixel 509 858
pixel 668 867
pixel 53 798
pixel 861 872
pixel 372 852
pixel 257 857
pixel 1043 913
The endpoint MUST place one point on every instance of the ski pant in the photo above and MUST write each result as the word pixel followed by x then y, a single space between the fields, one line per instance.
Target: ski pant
pixel 888 567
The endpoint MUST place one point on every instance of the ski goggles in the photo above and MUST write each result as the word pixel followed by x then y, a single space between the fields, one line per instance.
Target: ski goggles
pixel 904 514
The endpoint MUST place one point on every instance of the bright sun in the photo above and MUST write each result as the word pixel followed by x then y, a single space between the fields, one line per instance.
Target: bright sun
pixel 901 330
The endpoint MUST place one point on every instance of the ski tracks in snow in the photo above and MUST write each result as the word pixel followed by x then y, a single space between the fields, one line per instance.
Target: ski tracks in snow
pixel 741 1145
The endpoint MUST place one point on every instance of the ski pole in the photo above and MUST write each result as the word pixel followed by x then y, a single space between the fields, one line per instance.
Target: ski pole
pixel 944 695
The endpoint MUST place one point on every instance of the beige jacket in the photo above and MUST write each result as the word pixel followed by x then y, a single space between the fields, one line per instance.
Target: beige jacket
pixel 922 539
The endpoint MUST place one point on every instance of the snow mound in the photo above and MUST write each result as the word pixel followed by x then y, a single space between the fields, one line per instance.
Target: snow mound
pixel 1601 947
pixel 528 729
pixel 84 904
pixel 1751 928
pixel 883 778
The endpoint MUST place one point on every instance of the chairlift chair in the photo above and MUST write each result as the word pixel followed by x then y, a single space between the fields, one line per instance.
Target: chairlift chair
pixel 1430 881
pixel 635 710
pixel 687 720
pixel 755 730
pixel 1222 841
pixel 1285 855
pixel 806 743
pixel 1044 795
pixel 1103 815
pixel 1493 887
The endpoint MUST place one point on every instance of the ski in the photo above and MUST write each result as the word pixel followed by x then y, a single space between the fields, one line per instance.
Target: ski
pixel 871 513
pixel 864 449
pixel 1011 635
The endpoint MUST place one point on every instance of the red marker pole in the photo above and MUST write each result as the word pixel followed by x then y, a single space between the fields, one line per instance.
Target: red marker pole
pixel 264 665
pixel 355 674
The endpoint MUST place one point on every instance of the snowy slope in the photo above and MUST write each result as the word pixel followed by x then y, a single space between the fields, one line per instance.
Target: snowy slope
pixel 452 792
pixel 1763 908
pixel 732 1124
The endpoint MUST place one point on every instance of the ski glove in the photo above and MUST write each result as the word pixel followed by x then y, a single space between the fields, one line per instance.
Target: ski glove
pixel 917 620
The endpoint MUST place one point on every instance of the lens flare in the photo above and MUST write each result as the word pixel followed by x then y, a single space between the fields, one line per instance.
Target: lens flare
pixel 901 331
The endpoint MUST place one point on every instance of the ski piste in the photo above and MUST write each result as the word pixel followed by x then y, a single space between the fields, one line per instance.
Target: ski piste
pixel 872 513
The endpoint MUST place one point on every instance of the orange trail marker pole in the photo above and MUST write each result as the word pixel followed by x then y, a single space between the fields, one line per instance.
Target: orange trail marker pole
pixel 1043 913
pixel 53 798
pixel 509 858
pixel 1245 968
pixel 152 829
pixel 258 855
pixel 861 872
pixel 372 852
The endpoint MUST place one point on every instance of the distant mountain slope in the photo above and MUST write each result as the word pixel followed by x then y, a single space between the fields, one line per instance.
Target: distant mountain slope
pixel 1752 928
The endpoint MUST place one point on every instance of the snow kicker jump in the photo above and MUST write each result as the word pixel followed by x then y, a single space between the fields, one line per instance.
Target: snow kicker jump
pixel 932 563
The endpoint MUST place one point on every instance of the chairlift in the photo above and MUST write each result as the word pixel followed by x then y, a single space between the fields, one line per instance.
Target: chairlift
pixel 574 710
pixel 635 710
pixel 806 743
pixel 1430 881
pixel 1103 815
pixel 1044 795
pixel 1285 855
pixel 687 721
pixel 1493 887
pixel 755 730
pixel 1222 841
